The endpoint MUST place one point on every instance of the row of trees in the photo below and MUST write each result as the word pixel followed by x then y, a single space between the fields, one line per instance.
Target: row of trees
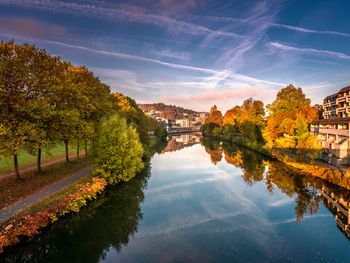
pixel 45 101
pixel 243 124
pixel 287 125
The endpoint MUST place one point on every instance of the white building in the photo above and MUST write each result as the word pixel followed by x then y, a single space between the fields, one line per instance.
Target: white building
pixel 183 123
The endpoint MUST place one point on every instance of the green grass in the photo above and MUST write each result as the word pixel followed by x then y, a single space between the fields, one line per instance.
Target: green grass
pixel 25 159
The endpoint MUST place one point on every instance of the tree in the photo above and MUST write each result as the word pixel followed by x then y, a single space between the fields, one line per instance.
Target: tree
pixel 290 103
pixel 16 96
pixel 231 117
pixel 288 124
pixel 117 151
pixel 215 116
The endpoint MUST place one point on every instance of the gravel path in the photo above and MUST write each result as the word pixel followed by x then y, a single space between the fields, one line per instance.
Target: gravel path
pixel 7 212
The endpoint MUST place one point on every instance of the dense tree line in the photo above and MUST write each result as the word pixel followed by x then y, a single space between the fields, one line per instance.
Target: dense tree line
pixel 243 124
pixel 45 101
pixel 287 125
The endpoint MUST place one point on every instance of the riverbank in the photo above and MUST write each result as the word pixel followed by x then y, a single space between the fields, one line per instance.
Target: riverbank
pixel 326 172
pixel 49 211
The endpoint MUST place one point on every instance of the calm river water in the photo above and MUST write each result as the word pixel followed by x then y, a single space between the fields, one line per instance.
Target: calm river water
pixel 203 202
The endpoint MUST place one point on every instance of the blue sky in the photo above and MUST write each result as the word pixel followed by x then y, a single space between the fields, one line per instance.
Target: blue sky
pixel 193 53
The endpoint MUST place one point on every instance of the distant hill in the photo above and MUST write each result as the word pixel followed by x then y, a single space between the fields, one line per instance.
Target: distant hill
pixel 167 111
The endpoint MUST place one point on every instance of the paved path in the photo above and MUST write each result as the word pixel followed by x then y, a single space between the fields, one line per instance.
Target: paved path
pixel 13 209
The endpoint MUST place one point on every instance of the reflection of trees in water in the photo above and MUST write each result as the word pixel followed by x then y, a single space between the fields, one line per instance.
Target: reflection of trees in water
pixel 252 164
pixel 307 194
pixel 214 149
pixel 107 222
pixel 253 167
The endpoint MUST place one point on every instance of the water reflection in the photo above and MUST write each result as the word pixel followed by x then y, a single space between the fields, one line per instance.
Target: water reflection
pixel 179 141
pixel 108 223
pixel 204 202
pixel 309 192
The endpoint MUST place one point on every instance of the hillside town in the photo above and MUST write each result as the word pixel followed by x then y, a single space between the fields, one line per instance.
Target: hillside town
pixel 174 117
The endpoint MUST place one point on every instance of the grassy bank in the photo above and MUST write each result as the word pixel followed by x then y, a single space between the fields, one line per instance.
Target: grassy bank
pixel 26 159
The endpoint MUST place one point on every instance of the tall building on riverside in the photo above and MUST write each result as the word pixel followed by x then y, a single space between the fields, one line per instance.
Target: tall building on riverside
pixel 333 130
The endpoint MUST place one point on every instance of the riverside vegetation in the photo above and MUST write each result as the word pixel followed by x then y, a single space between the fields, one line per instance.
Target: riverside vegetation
pixel 283 135
pixel 45 101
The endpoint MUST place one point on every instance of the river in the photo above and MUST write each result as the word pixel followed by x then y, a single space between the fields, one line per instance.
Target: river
pixel 201 201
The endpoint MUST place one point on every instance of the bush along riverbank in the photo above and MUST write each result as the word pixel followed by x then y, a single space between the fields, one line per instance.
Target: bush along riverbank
pixel 283 135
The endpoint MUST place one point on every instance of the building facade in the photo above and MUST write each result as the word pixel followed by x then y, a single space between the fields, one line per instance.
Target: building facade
pixel 333 130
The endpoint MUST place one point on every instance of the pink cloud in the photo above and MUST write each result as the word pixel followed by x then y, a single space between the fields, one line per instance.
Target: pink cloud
pixel 31 28
pixel 224 99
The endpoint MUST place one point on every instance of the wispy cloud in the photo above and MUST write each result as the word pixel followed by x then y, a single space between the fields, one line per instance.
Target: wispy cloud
pixel 178 6
pixel 259 18
pixel 133 57
pixel 119 12
pixel 321 52
pixel 166 52
pixel 308 30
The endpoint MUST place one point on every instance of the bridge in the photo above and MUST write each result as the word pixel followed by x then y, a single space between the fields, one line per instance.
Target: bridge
pixel 174 130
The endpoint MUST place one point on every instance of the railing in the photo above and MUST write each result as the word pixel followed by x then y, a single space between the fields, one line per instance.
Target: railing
pixel 334 131
pixel 173 130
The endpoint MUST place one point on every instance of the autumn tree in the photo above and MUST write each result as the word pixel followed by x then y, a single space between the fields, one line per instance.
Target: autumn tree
pixel 290 116
pixel 213 123
pixel 16 99
pixel 244 124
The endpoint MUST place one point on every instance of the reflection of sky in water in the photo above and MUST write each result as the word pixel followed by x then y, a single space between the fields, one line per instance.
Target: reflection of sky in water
pixel 195 211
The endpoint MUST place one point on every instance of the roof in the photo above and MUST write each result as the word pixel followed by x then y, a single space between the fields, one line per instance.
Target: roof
pixel 344 89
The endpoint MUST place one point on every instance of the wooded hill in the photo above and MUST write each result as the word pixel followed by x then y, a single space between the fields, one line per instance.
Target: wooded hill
pixel 167 111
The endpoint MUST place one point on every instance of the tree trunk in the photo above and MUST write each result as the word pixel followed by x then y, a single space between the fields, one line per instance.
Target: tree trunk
pixel 38 162
pixel 15 162
pixel 86 149
pixel 67 152
pixel 78 149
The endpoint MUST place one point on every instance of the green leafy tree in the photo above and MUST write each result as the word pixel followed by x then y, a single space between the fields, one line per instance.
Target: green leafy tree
pixel 117 151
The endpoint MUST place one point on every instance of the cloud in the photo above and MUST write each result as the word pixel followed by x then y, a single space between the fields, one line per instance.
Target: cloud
pixel 225 98
pixel 321 52
pixel 30 28
pixel 167 53
pixel 173 5
pixel 118 12
pixel 133 57
pixel 257 22
pixel 307 30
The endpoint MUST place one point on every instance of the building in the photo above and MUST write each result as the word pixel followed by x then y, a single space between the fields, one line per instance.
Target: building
pixel 333 130
pixel 183 123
